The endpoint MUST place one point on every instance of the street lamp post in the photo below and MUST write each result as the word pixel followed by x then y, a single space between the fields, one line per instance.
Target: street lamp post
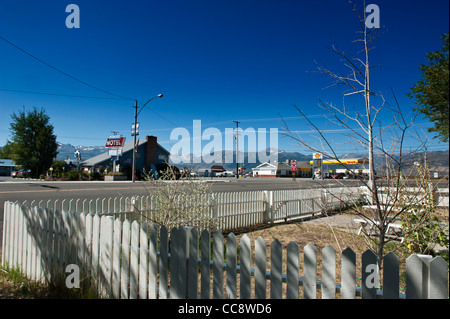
pixel 136 113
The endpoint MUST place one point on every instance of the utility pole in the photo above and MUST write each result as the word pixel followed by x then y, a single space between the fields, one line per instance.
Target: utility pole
pixel 133 178
pixel 237 149
pixel 135 132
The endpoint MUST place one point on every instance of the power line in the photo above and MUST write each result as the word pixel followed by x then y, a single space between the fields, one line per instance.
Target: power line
pixel 66 95
pixel 62 72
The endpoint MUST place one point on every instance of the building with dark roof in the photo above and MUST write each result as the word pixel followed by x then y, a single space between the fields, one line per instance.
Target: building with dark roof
pixel 149 154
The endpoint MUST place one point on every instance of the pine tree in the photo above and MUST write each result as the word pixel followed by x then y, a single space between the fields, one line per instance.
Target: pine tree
pixel 431 92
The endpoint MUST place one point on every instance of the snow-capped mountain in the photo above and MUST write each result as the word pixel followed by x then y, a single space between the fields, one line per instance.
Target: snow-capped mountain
pixel 66 151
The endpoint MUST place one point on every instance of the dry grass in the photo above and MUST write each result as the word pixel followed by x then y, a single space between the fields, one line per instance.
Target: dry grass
pixel 303 234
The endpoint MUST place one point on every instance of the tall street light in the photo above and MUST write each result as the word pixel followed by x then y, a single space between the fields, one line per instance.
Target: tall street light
pixel 136 113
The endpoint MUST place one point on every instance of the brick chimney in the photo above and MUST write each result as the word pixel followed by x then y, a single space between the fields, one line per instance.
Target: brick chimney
pixel 150 152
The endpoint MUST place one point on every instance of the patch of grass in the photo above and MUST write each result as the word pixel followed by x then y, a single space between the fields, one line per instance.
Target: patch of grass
pixel 15 285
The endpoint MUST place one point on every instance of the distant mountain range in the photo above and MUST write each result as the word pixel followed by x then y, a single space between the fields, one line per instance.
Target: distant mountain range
pixel 438 161
pixel 67 151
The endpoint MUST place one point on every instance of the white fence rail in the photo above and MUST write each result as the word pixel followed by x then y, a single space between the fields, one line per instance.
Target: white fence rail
pixel 138 260
pixel 414 195
pixel 231 210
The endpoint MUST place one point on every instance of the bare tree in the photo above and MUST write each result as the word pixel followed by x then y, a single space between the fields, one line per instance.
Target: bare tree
pixel 366 131
pixel 173 202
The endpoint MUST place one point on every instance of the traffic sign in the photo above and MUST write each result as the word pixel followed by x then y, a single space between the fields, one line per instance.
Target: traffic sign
pixel 294 165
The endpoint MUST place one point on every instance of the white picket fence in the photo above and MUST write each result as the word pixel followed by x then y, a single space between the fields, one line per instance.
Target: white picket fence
pixel 414 195
pixel 124 259
pixel 231 210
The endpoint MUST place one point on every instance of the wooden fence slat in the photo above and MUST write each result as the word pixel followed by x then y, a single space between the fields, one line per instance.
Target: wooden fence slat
pixel 310 271
pixel 181 251
pixel 19 238
pixel 174 243
pixel 391 276
pixel 134 260
pixel 292 270
pixel 164 263
pixel 125 269
pixel 245 267
pixel 7 232
pixel 328 272
pixel 414 268
pixel 106 253
pixel 348 274
pixel 29 242
pixel 41 238
pixel 48 225
pixel 276 258
pixel 370 276
pixel 55 243
pixel 418 276
pixel 231 266
pixel 76 238
pixel 260 268
pixel 192 275
pixel 95 246
pixel 218 265
pixel 66 219
pixel 153 261
pixel 205 267
pixel 143 261
pixel 438 278
pixel 117 257
pixel 87 239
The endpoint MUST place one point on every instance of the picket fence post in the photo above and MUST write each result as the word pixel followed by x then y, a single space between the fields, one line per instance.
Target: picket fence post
pixel 391 277
pixel 328 272
pixel 370 275
pixel 245 270
pixel 231 267
pixel 292 270
pixel 192 262
pixel 276 258
pixel 348 277
pixel 260 268
pixel 164 263
pixel 310 271
pixel 205 242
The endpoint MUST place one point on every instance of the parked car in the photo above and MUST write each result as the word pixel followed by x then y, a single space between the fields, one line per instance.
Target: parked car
pixel 19 173
pixel 339 176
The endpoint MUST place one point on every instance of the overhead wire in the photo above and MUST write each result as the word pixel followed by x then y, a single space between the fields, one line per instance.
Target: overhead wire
pixel 62 72
pixel 66 95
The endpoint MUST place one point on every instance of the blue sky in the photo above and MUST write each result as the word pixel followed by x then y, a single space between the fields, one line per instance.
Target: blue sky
pixel 214 61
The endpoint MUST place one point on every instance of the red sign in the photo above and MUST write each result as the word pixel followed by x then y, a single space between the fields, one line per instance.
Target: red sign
pixel 294 165
pixel 115 142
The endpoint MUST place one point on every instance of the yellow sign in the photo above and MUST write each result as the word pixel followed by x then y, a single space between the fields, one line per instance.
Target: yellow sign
pixel 346 161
